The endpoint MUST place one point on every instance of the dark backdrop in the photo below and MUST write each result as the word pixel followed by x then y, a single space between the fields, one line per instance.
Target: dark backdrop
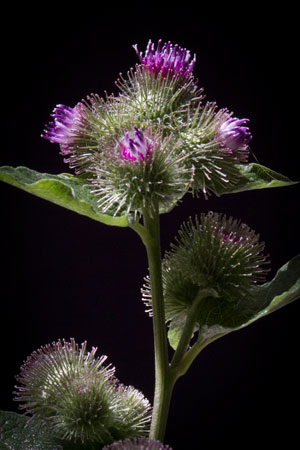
pixel 64 275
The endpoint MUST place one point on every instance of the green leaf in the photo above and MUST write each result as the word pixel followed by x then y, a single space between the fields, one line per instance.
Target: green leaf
pixel 64 189
pixel 251 176
pixel 218 317
pixel 19 432
pixel 175 330
pixel 254 176
pixel 282 290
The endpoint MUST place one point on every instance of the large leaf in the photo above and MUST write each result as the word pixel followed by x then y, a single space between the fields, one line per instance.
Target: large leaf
pixel 19 432
pixel 217 317
pixel 254 176
pixel 65 190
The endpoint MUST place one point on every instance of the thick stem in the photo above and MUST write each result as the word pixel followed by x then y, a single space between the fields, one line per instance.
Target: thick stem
pixel 163 380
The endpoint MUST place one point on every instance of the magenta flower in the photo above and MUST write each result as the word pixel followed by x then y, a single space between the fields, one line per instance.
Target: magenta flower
pixel 168 60
pixel 135 146
pixel 64 129
pixel 233 134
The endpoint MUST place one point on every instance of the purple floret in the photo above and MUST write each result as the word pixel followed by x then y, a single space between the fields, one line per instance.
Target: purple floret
pixel 167 60
pixel 233 134
pixel 64 129
pixel 135 146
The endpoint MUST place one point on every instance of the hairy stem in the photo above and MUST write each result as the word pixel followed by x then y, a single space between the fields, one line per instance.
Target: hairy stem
pixel 163 380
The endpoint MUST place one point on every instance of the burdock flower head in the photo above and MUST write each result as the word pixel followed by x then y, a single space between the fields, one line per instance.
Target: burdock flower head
pixel 217 252
pixel 79 397
pixel 167 60
pixel 215 257
pixel 214 144
pixel 161 85
pixel 137 444
pixel 138 170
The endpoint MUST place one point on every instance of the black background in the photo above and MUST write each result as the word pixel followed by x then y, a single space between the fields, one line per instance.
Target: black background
pixel 65 276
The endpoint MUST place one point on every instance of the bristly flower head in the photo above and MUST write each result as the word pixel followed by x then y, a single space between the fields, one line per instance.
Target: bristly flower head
pixel 65 127
pixel 233 134
pixel 167 60
pixel 208 152
pixel 218 255
pixel 79 397
pixel 137 444
pixel 142 170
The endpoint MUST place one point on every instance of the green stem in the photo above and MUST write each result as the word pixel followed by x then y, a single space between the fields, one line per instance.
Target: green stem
pixel 141 231
pixel 187 332
pixel 184 356
pixel 165 374
pixel 163 379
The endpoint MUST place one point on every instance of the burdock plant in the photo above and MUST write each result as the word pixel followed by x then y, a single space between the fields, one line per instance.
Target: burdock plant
pixel 135 155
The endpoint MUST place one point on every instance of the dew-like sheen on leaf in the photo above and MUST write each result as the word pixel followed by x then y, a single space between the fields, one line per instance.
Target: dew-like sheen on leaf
pixel 18 432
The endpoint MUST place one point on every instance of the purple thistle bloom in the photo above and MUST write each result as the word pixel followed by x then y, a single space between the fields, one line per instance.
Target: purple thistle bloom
pixel 168 60
pixel 233 134
pixel 138 147
pixel 64 129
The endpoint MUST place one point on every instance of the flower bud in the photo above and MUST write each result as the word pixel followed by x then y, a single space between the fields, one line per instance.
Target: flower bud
pixel 213 163
pixel 218 258
pixel 217 253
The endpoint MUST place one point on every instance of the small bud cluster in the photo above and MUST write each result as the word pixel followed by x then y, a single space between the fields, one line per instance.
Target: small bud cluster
pixel 155 141
pixel 79 397
pixel 137 444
